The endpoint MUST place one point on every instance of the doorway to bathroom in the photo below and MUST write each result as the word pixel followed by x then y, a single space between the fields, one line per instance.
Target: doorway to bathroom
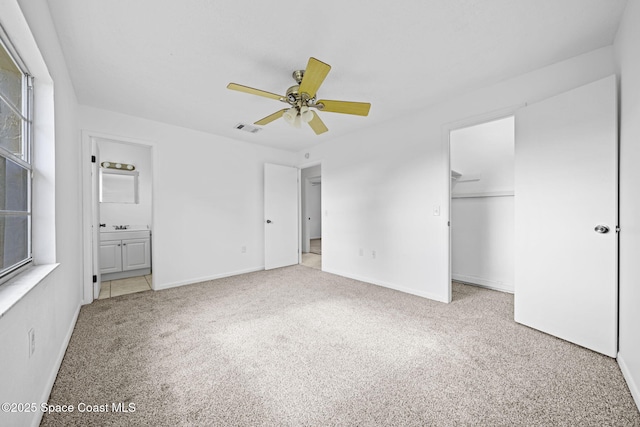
pixel 121 232
pixel 311 216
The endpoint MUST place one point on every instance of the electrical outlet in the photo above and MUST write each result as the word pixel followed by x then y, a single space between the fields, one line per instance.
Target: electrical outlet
pixel 436 211
pixel 373 254
pixel 32 341
pixel 243 249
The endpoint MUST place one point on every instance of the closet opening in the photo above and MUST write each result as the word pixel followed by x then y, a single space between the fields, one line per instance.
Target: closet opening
pixel 482 204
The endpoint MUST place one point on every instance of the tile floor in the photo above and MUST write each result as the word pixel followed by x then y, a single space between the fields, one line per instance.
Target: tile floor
pixel 312 260
pixel 315 246
pixel 130 285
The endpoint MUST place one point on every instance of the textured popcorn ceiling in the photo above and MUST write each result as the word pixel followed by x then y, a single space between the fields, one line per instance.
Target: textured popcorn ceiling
pixel 170 61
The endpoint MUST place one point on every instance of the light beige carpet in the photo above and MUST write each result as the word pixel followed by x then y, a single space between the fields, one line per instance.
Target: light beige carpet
pixel 300 347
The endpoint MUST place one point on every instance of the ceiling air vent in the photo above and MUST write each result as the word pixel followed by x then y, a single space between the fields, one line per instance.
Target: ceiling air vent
pixel 248 128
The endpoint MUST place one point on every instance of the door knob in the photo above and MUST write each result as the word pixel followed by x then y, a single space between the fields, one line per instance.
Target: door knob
pixel 602 229
pixel 268 221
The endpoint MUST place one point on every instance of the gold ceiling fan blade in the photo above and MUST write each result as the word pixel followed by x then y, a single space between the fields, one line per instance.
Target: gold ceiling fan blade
pixel 270 118
pixel 313 77
pixel 247 89
pixel 345 107
pixel 317 125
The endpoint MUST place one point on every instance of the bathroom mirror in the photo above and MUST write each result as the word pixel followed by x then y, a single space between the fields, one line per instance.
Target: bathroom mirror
pixel 117 186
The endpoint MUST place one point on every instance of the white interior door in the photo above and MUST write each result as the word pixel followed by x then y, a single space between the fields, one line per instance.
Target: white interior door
pixel 566 187
pixel 281 216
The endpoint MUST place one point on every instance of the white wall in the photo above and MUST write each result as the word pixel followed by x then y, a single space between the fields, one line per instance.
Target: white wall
pixel 628 57
pixel 482 241
pixel 52 306
pixel 482 210
pixel 380 185
pixel 208 199
pixel 484 155
pixel 128 213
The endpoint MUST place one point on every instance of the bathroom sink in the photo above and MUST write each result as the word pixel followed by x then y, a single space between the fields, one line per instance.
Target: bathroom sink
pixel 111 228
pixel 134 232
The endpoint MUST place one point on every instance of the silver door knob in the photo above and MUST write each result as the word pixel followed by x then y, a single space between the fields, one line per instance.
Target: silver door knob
pixel 268 221
pixel 602 229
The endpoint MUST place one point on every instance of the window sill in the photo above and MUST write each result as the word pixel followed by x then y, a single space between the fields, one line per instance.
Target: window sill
pixel 17 287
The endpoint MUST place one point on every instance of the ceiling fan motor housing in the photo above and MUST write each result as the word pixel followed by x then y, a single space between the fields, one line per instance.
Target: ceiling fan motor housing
pixel 293 94
pixel 294 97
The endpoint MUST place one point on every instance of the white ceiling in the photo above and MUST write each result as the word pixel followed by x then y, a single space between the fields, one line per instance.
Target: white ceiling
pixel 171 60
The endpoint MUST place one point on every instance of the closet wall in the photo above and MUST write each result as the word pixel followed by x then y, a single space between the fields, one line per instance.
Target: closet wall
pixel 482 220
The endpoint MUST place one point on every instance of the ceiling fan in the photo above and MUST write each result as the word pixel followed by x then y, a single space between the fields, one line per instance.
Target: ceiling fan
pixel 302 97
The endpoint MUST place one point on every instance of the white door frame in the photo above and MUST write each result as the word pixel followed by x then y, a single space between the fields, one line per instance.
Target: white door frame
pixel 88 138
pixel 446 134
pixel 301 208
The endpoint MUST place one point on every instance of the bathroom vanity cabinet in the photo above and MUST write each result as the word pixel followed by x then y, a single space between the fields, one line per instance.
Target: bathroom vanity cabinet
pixel 125 254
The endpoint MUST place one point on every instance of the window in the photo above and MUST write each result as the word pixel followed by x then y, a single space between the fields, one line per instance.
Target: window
pixel 15 160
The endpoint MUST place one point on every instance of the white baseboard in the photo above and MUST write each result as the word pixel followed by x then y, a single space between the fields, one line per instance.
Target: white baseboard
pixel 489 284
pixel 634 387
pixel 428 295
pixel 206 278
pixel 54 374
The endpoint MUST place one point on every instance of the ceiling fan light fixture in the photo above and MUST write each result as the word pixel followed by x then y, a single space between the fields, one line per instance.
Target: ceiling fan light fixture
pixel 306 114
pixel 289 116
pixel 292 117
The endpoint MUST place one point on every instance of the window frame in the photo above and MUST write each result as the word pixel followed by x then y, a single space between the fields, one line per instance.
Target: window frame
pixel 25 162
